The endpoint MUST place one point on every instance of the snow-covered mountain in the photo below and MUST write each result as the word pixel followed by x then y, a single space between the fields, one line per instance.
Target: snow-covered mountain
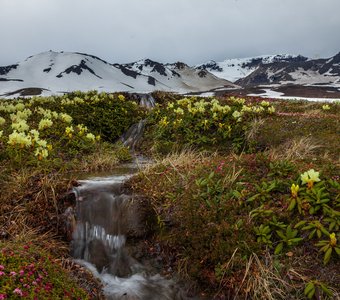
pixel 300 72
pixel 277 69
pixel 59 72
pixel 237 68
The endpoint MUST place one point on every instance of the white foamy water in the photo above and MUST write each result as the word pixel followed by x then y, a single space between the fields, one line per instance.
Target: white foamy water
pixel 103 218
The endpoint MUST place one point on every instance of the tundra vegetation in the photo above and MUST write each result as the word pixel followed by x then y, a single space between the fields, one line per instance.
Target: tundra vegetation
pixel 245 191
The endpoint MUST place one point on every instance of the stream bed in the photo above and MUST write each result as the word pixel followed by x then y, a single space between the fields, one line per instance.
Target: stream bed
pixel 105 213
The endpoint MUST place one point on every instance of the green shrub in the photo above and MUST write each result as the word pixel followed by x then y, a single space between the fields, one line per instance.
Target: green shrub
pixel 203 123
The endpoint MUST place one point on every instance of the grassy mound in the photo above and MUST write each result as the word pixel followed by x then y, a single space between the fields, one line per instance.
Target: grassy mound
pixel 259 224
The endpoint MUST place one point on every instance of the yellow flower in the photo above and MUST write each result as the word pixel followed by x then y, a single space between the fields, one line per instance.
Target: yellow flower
pixel 310 177
pixel 90 137
pixel 326 107
pixel 164 122
pixel 41 153
pixel 20 126
pixel 2 121
pixel 45 123
pixel 294 189
pixel 179 111
pixel 19 138
pixel 69 130
pixel 332 239
pixel 264 103
pixel 271 109
pixel 121 97
pixel 65 118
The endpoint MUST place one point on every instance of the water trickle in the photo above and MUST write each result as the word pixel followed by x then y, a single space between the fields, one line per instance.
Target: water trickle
pixel 145 100
pixel 104 215
pixel 134 134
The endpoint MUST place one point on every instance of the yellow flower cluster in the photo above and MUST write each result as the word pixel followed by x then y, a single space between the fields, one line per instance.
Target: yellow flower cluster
pixel 294 190
pixel 76 100
pixel 164 121
pixel 310 177
pixel 21 115
pixel 90 137
pixel 65 118
pixel 121 97
pixel 2 121
pixel 45 123
pixel 20 126
pixel 69 131
pixel 19 139
pixel 332 239
pixel 237 100
pixel 81 129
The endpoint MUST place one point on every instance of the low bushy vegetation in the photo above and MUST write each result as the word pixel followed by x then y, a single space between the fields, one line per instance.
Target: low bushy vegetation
pixel 246 192
pixel 203 123
pixel 263 224
pixel 42 141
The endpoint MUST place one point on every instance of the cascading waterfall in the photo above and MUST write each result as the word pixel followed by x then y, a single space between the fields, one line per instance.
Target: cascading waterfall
pixel 104 215
pixel 134 134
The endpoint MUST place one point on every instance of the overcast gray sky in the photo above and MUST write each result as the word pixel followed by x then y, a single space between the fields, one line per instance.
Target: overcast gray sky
pixel 192 31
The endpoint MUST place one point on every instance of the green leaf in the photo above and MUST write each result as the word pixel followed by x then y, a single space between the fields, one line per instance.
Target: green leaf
pixel 325 248
pixel 278 248
pixel 308 227
pixel 252 198
pixel 324 231
pixel 292 205
pixel 309 287
pixel 326 290
pixel 296 240
pixel 300 224
pixel 319 233
pixel 311 293
pixel 337 250
pixel 327 256
pixel 311 234
pixel 281 234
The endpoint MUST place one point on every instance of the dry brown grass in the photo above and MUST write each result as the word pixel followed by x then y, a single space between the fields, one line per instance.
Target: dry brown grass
pixel 46 241
pixel 29 200
pixel 99 161
pixel 254 129
pixel 262 282
pixel 297 148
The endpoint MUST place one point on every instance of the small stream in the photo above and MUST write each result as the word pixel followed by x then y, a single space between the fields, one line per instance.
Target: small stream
pixel 104 216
